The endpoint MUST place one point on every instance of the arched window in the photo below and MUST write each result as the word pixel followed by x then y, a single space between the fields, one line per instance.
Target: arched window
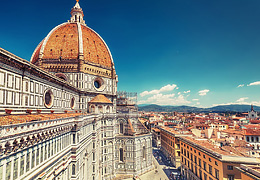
pixel 28 161
pixel 121 156
pixel 100 109
pixel 74 138
pixel 144 157
pixel 72 103
pixel 108 109
pixel 92 109
pixel 73 169
pixel 121 128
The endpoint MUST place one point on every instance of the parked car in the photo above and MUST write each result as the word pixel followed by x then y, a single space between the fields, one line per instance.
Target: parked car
pixel 136 178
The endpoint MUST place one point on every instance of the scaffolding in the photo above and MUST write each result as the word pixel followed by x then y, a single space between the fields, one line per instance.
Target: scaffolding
pixel 126 101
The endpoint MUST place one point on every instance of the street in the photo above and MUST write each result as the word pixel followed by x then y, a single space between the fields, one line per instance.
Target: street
pixel 171 172
pixel 164 170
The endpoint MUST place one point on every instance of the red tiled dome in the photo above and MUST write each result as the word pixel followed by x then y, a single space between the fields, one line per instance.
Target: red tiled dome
pixel 69 41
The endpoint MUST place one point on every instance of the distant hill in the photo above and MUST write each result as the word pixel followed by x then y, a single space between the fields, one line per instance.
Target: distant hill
pixel 158 108
pixel 222 108
pixel 234 107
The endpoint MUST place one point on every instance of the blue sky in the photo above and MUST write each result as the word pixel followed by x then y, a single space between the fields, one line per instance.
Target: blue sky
pixel 171 52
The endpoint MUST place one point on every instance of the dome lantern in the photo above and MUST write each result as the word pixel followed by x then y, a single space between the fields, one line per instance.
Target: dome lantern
pixel 77 14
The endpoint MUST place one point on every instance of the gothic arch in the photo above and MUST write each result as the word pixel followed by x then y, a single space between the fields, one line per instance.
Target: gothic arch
pixel 108 109
pixel 92 108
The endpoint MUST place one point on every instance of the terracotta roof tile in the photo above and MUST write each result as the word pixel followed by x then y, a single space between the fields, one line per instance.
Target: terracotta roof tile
pixel 95 50
pixel 252 132
pixel 100 99
pixel 130 129
pixel 156 129
pixel 225 150
pixel 64 42
pixel 17 119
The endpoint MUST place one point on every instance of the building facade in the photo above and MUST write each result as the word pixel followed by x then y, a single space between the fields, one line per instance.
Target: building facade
pixel 156 137
pixel 202 160
pixel 252 136
pixel 170 145
pixel 71 71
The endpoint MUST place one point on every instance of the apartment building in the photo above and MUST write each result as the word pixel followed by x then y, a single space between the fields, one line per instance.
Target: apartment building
pixel 170 144
pixel 202 160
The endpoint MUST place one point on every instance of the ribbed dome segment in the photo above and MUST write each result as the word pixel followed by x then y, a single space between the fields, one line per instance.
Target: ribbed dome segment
pixel 36 53
pixel 94 48
pixel 63 42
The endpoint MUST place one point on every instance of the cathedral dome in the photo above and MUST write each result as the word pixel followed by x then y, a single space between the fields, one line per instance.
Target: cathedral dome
pixel 73 40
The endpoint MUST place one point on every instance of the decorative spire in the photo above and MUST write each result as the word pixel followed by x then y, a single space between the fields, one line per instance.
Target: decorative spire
pixel 252 108
pixel 77 14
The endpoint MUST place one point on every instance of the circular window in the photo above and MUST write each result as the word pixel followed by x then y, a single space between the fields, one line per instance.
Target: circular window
pixel 97 84
pixel 48 99
pixel 72 103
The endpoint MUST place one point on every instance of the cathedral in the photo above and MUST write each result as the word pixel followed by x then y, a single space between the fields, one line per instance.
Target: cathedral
pixel 61 116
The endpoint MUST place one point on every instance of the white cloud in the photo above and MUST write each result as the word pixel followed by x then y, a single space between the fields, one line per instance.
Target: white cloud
pixel 195 99
pixel 145 93
pixel 240 85
pixel 179 93
pixel 203 92
pixel 168 87
pixel 168 99
pixel 185 92
pixel 198 103
pixel 156 91
pixel 240 101
pixel 254 83
pixel 161 96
